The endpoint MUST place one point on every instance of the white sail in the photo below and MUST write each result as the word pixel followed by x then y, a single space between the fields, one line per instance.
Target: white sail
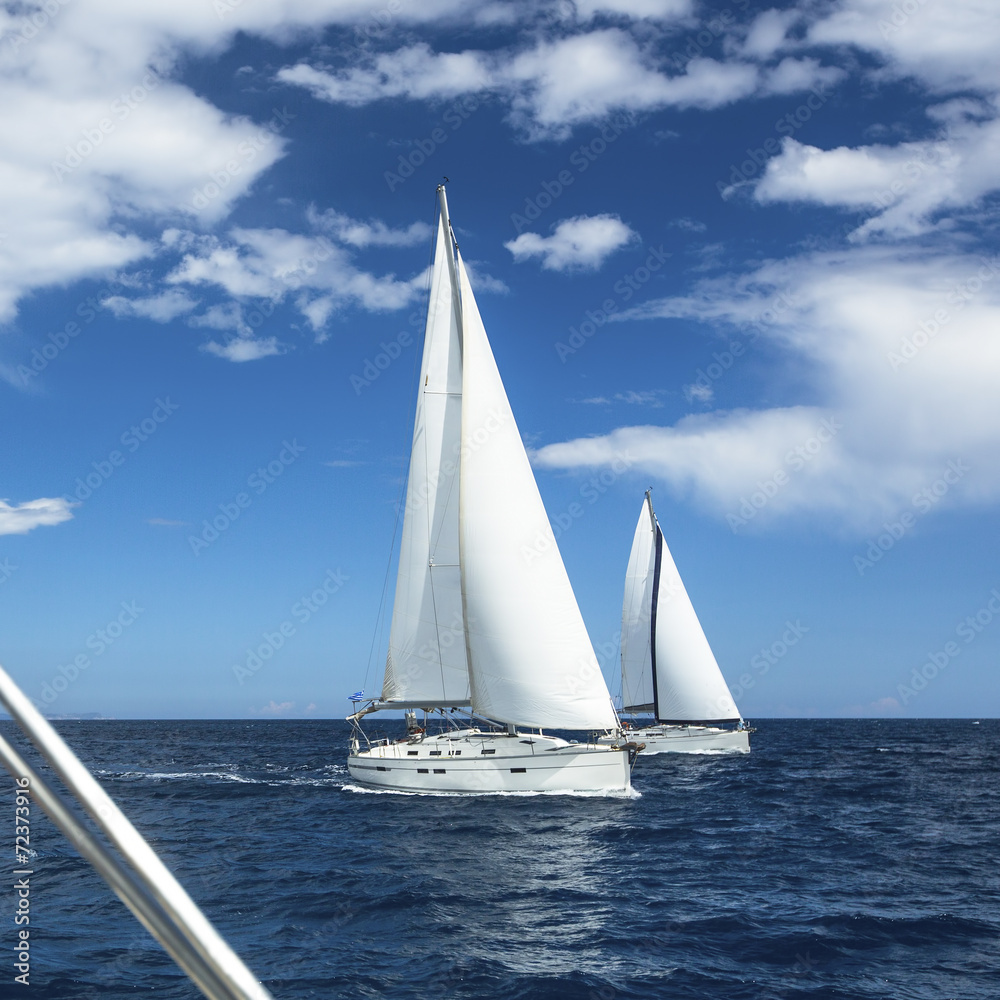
pixel 687 684
pixel 530 659
pixel 637 645
pixel 426 662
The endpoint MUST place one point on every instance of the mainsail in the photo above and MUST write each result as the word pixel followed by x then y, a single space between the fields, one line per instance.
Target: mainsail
pixel 480 613
pixel 667 664
pixel 531 660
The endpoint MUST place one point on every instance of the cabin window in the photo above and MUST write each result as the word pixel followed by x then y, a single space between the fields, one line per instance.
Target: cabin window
pixel 456 753
pixel 518 770
pixel 489 751
pixel 439 770
pixel 412 753
pixel 379 767
pixel 421 770
pixel 435 753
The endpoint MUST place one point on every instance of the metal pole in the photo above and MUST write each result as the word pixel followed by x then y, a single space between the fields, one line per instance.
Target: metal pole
pixel 148 869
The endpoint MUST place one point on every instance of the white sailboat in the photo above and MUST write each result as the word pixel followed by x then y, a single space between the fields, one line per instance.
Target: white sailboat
pixel 485 628
pixel 668 668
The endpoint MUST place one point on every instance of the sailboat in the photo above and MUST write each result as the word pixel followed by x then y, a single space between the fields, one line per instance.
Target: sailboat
pixel 487 639
pixel 668 668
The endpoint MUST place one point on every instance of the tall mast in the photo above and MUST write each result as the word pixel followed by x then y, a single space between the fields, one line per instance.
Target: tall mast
pixel 452 247
pixel 657 563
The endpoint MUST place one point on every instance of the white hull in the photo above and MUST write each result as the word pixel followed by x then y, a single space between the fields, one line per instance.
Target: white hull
pixel 469 761
pixel 690 739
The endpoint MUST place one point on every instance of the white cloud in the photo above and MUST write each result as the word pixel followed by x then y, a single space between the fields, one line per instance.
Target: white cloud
pixel 632 396
pixel 162 308
pixel 98 138
pixel 21 518
pixel 482 282
pixel 653 9
pixel 276 708
pixel 908 186
pixel 244 348
pixel 948 47
pixel 268 263
pixel 261 268
pixel 586 77
pixel 766 34
pixel 580 243
pixel 555 83
pixel 78 165
pixel 414 72
pixel 701 392
pixel 373 233
pixel 791 76
pixel 901 353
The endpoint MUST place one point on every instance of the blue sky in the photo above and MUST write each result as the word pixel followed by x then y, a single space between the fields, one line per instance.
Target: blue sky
pixel 745 255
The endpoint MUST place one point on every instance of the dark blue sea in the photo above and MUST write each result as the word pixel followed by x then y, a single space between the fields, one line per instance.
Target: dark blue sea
pixel 841 859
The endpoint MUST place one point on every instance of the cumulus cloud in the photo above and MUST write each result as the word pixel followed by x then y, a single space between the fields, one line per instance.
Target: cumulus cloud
pixel 556 83
pixel 22 518
pixel 162 308
pixel 583 242
pixel 414 72
pixel 244 348
pixel 908 187
pixel 98 137
pixel 948 47
pixel 901 353
pixel 660 10
pixel 373 233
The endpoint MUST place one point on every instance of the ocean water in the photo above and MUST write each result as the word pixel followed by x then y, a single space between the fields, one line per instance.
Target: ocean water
pixel 841 859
